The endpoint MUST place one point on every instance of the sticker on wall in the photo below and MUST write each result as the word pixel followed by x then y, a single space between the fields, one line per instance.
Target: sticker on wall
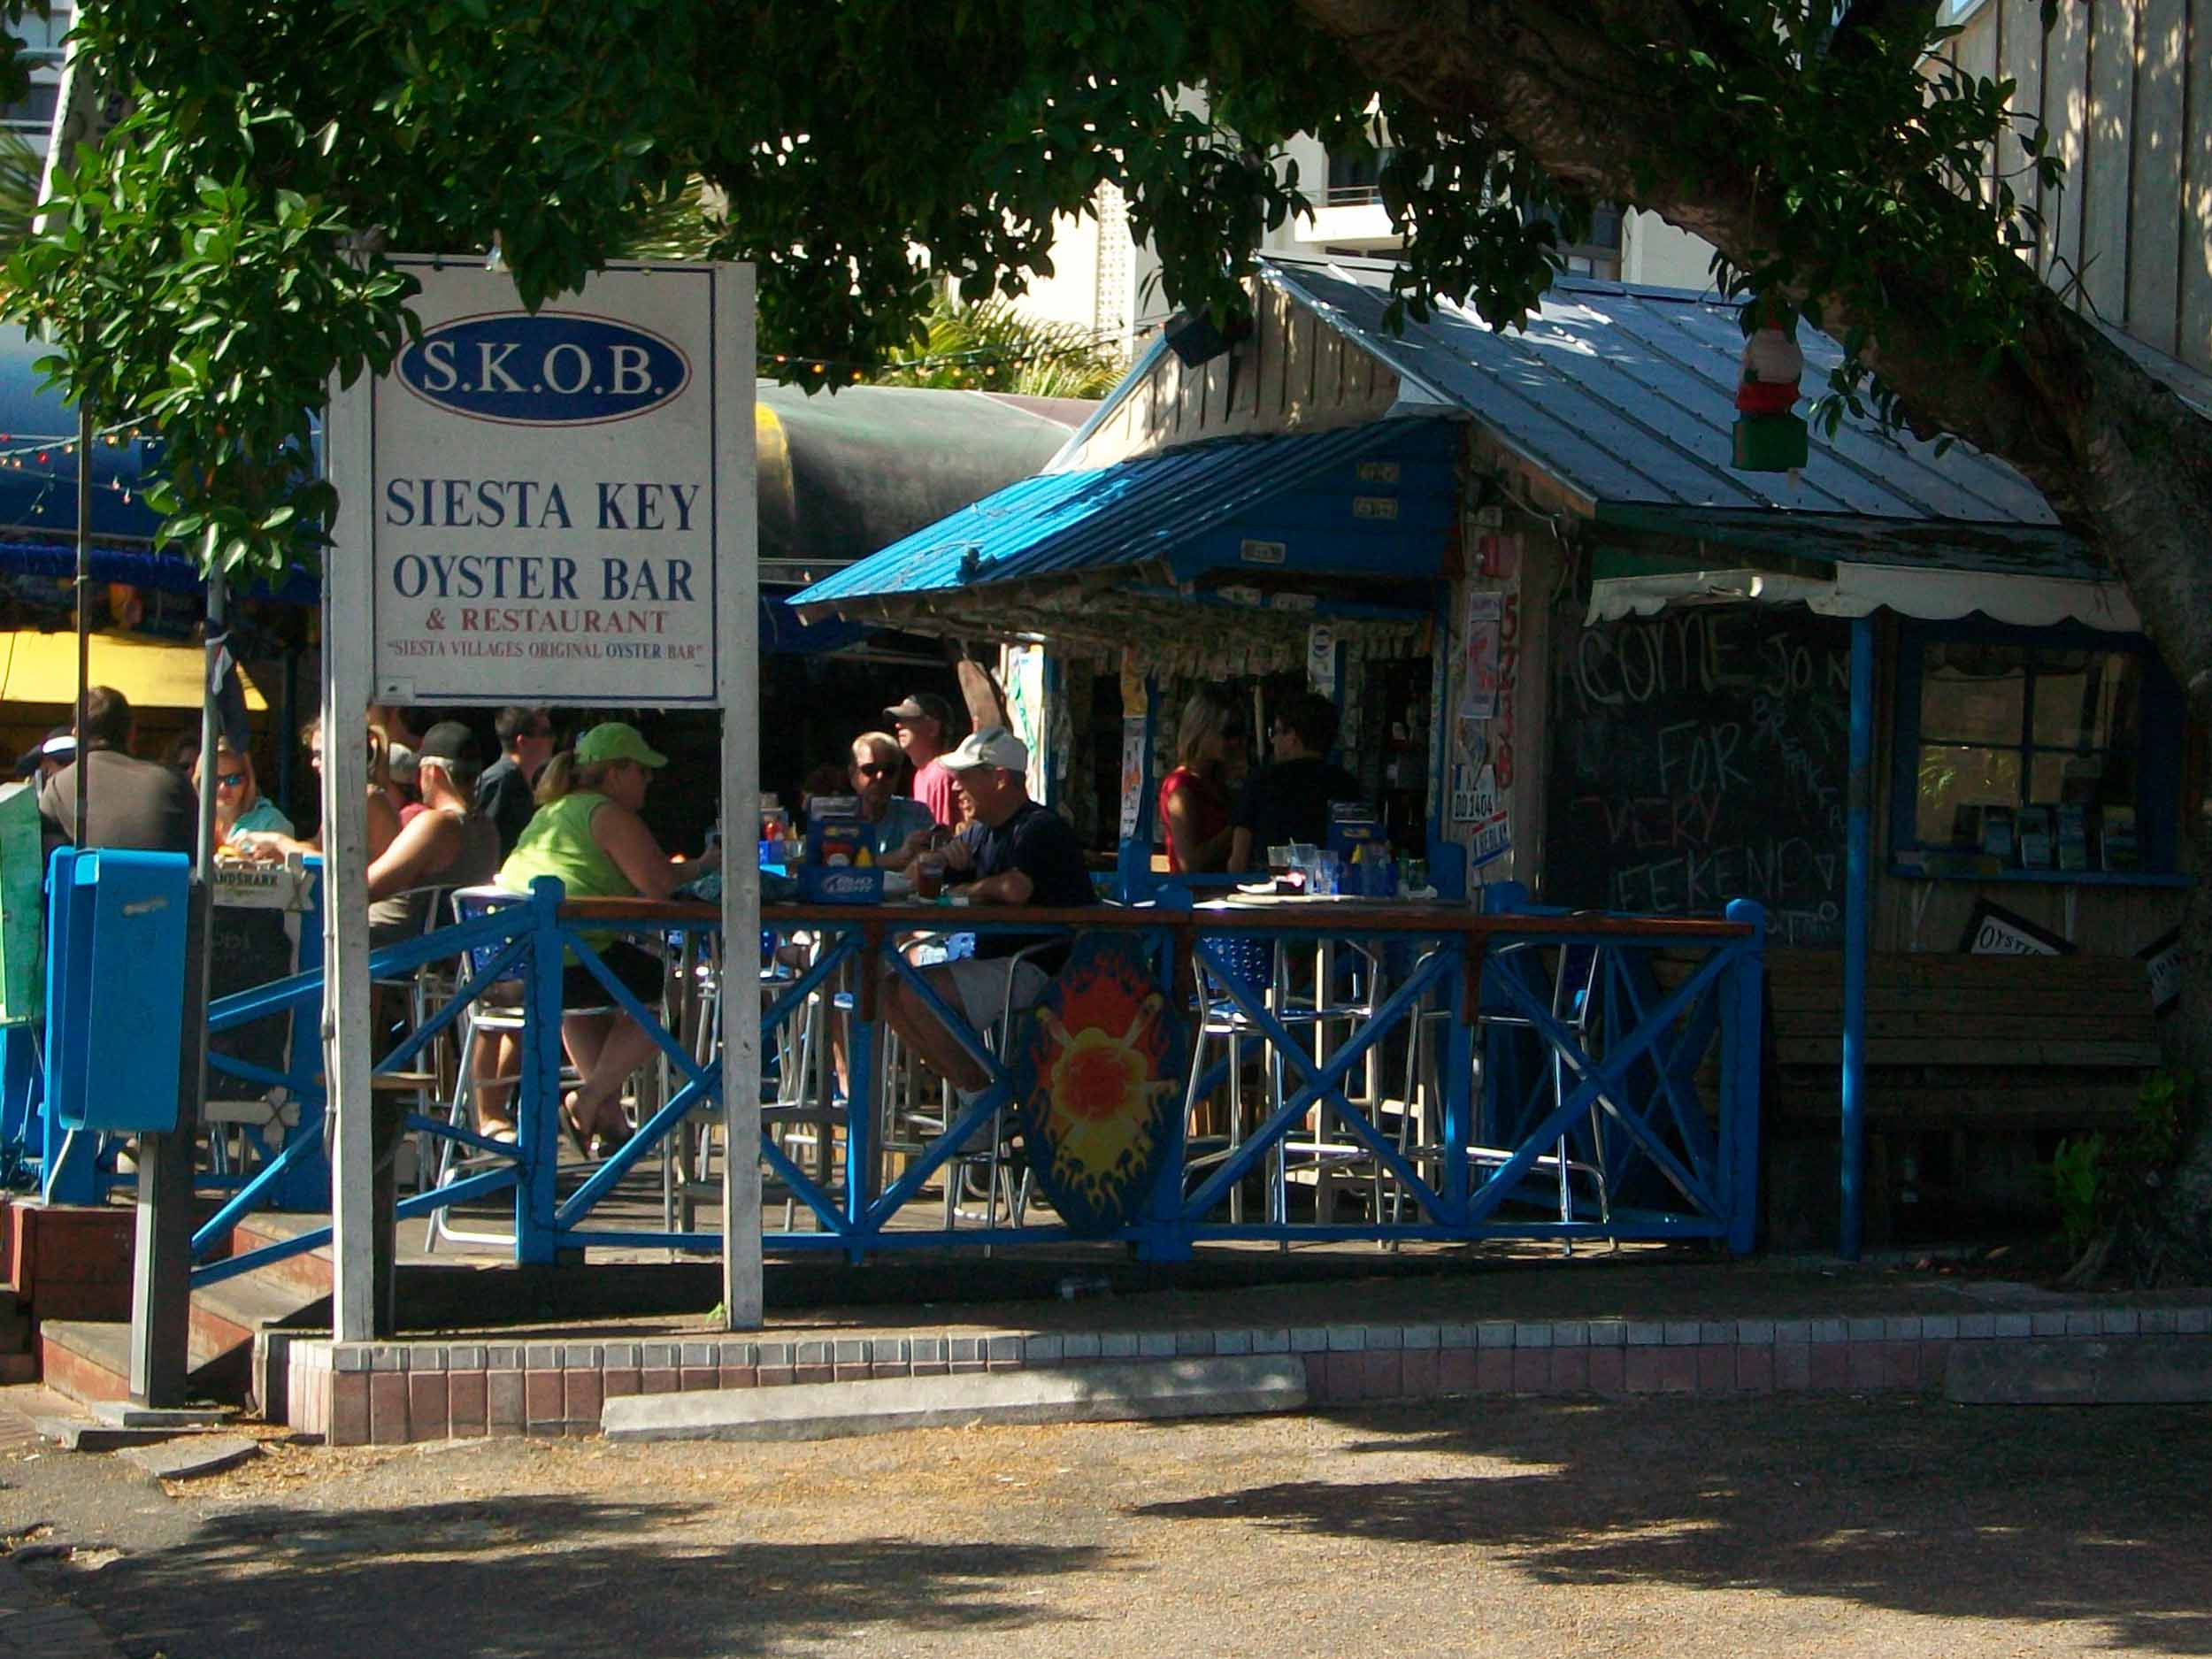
pixel 2162 962
pixel 1994 930
pixel 1493 840
pixel 1471 753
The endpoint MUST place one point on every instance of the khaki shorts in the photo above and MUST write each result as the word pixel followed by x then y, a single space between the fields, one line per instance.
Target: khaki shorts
pixel 979 988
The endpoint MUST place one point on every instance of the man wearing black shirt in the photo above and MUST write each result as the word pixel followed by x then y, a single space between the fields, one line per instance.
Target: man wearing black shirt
pixel 502 790
pixel 132 803
pixel 1014 852
pixel 1289 801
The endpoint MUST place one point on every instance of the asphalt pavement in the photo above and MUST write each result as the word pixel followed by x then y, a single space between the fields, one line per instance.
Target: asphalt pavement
pixel 1889 1525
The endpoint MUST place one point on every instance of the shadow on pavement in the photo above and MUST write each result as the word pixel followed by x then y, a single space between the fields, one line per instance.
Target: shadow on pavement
pixel 548 1576
pixel 2083 1517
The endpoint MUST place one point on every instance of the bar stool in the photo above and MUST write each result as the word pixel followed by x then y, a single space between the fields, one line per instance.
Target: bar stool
pixel 1574 1005
pixel 498 1010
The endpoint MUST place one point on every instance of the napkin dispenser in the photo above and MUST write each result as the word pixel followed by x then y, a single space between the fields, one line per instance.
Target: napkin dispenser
pixel 840 866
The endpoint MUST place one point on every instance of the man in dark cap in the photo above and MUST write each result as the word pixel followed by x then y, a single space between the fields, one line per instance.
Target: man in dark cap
pixel 449 844
pixel 132 803
pixel 924 725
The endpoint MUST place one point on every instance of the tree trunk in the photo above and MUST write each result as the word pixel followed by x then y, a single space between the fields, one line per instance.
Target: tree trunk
pixel 2121 459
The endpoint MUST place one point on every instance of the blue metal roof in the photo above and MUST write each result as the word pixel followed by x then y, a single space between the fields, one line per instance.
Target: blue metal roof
pixel 1626 396
pixel 1377 499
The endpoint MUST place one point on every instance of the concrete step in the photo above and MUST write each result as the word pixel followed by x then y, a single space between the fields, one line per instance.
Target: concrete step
pixel 1143 1390
pixel 89 1360
pixel 310 1272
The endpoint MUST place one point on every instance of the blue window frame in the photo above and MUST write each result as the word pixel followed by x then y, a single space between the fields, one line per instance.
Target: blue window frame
pixel 2034 754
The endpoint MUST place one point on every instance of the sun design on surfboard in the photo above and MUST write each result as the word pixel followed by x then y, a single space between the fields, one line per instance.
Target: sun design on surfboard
pixel 1100 1075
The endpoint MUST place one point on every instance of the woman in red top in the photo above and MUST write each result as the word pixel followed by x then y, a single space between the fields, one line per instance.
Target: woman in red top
pixel 1195 803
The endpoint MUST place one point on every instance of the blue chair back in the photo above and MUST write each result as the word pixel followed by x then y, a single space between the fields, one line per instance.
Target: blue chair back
pixel 1249 959
pixel 469 903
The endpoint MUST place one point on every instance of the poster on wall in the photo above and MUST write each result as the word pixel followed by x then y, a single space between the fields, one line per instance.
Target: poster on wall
pixel 1994 930
pixel 1131 775
pixel 545 516
pixel 1479 682
pixel 1321 661
pixel 1022 670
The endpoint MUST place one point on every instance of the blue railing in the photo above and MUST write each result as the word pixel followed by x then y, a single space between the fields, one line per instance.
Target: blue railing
pixel 1449 1072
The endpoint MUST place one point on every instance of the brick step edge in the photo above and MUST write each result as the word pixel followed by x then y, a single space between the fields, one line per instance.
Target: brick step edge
pixel 392 1392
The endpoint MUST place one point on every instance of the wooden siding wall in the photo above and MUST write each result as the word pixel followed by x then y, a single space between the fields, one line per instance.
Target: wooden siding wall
pixel 2124 89
pixel 1292 373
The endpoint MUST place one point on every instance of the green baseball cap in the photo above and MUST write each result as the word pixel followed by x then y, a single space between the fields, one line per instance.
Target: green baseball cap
pixel 617 739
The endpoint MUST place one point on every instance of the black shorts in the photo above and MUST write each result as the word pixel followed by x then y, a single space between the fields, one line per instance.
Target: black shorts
pixel 640 972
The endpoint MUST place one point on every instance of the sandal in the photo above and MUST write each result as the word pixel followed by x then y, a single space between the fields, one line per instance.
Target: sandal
pixel 606 1142
pixel 579 1136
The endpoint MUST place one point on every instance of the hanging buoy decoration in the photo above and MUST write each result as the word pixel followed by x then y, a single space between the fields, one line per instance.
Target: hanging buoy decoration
pixel 1769 438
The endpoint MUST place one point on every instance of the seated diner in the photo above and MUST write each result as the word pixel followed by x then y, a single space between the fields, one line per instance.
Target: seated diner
pixel 1288 800
pixel 1014 853
pixel 241 808
pixel 587 831
pixel 1196 806
pixel 448 843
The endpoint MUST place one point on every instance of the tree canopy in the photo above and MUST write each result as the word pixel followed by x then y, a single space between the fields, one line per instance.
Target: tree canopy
pixel 214 264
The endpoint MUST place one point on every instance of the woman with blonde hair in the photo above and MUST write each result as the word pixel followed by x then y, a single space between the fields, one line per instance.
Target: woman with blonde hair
pixel 1194 804
pixel 587 831
pixel 239 807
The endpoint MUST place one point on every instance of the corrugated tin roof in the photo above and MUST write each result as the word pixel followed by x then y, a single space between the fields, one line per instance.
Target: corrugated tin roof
pixel 1627 396
pixel 1134 513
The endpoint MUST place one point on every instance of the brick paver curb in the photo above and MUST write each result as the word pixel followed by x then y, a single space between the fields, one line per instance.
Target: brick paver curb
pixel 392 1392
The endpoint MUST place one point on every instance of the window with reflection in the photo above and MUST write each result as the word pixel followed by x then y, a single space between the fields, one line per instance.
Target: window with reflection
pixel 2029 748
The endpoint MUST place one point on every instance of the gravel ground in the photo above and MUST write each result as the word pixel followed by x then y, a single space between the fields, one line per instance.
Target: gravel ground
pixel 1774 1525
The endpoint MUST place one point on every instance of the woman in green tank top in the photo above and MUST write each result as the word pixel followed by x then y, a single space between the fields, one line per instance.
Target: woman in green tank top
pixel 587 831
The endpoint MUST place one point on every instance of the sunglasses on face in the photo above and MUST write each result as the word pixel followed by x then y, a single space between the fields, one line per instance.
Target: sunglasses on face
pixel 230 779
pixel 873 769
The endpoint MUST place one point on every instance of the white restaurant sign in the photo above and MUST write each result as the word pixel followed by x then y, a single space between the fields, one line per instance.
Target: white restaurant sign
pixel 546 516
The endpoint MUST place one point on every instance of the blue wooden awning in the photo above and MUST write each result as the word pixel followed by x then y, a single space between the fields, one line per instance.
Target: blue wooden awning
pixel 1375 502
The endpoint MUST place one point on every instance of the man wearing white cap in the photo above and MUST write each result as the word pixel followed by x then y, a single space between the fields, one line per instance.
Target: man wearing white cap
pixel 1015 851
pixel 41 762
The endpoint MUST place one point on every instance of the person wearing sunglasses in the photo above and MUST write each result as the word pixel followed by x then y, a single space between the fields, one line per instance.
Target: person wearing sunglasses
pixel 240 809
pixel 901 823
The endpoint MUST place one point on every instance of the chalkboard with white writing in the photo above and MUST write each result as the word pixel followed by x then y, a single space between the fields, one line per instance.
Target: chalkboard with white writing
pixel 1702 755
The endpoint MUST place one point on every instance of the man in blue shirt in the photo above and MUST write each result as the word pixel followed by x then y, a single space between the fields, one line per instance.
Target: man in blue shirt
pixel 896 818
pixel 1014 852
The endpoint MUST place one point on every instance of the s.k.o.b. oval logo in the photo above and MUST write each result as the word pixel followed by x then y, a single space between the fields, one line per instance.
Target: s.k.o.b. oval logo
pixel 555 369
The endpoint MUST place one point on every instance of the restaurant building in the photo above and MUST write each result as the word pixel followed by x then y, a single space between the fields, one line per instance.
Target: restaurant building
pixel 1575 648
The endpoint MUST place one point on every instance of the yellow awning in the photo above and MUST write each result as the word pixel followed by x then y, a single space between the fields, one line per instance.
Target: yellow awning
pixel 152 673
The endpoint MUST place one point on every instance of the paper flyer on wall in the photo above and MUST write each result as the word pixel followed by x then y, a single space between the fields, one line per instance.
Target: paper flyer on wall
pixel 1478 656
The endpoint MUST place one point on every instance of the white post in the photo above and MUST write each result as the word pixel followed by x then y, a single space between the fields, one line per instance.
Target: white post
pixel 348 588
pixel 737 625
